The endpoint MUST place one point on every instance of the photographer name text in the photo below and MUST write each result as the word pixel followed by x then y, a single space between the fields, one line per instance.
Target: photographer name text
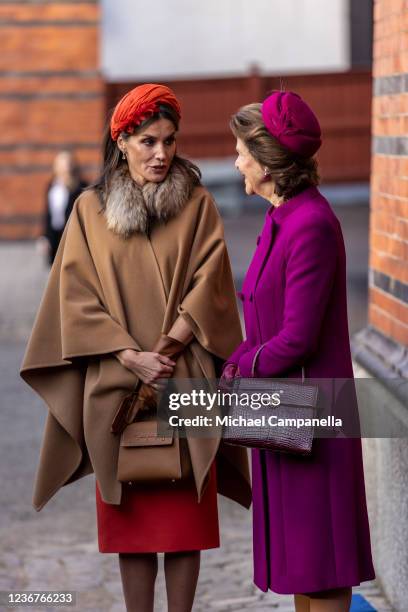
pixel 262 421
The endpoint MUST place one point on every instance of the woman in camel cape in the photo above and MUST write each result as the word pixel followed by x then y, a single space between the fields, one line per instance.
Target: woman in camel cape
pixel 141 289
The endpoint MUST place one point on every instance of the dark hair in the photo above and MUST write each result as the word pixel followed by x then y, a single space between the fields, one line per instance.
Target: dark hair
pixel 112 156
pixel 290 172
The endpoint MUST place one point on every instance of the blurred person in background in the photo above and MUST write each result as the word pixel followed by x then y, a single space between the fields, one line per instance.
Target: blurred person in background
pixel 310 526
pixel 63 189
pixel 141 290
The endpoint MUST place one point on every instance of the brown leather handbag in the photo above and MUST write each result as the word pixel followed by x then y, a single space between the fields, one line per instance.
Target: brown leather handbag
pixel 297 401
pixel 144 455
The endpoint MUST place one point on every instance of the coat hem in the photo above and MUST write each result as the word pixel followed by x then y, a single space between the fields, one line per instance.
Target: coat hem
pixel 302 590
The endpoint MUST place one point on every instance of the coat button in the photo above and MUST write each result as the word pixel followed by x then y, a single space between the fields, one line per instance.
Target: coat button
pixel 241 295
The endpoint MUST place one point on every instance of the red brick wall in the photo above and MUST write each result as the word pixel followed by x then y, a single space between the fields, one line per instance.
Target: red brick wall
pixel 388 309
pixel 51 97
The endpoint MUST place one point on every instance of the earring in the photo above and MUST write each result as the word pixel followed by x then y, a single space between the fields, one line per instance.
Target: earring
pixel 123 155
pixel 266 172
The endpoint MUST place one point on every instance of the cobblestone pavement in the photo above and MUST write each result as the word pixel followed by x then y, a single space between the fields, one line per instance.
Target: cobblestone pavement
pixel 56 549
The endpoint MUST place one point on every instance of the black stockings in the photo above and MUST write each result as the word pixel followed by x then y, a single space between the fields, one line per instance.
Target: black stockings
pixel 139 571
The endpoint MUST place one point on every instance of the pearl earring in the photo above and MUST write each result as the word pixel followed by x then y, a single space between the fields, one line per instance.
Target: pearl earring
pixel 266 172
pixel 123 155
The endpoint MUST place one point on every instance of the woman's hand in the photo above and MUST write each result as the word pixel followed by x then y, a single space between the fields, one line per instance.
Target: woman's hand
pixel 147 366
pixel 230 372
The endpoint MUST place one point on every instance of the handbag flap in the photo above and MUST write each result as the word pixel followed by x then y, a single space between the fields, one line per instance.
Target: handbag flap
pixel 291 394
pixel 144 433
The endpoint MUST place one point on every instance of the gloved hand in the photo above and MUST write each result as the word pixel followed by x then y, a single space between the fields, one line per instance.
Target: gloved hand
pixel 170 347
pixel 230 372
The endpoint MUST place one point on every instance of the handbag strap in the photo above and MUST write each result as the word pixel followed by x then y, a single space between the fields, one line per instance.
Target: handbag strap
pixel 137 385
pixel 127 409
pixel 255 359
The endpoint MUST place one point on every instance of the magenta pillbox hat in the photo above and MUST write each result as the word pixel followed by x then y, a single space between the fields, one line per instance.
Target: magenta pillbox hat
pixel 292 122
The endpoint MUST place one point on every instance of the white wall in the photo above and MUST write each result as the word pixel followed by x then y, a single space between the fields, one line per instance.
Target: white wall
pixel 182 38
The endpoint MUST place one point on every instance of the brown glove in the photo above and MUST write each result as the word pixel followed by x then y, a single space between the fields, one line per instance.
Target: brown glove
pixel 170 347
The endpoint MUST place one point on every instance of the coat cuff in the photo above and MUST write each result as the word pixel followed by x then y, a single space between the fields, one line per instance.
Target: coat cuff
pixel 236 355
pixel 229 362
pixel 246 361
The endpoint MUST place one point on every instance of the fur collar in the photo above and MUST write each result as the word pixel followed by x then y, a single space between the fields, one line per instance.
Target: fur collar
pixel 130 208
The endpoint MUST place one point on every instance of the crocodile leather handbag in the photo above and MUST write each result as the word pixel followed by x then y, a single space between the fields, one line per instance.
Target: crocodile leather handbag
pixel 246 426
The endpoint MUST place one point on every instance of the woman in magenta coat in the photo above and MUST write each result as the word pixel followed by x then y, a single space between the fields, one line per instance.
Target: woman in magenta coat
pixel 311 532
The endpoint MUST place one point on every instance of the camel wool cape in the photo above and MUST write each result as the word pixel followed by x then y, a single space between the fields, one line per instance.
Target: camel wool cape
pixel 107 292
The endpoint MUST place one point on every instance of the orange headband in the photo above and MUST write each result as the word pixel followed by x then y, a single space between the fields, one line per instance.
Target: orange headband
pixel 139 104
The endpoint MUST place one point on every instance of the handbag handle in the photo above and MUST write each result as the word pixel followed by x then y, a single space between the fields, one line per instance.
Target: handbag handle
pixel 127 410
pixel 137 385
pixel 256 358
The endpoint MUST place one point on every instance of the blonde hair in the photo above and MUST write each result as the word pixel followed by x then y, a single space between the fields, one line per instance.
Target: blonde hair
pixel 290 172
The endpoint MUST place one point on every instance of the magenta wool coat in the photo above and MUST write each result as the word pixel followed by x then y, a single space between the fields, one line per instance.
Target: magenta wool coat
pixel 310 524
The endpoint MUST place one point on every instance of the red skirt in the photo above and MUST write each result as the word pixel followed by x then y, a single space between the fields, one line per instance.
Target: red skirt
pixel 165 518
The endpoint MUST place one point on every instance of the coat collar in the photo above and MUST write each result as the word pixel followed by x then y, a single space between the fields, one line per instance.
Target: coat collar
pixel 278 213
pixel 273 217
pixel 130 208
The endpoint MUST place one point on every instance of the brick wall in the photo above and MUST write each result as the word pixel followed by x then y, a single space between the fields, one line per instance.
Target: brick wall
pixel 388 309
pixel 51 97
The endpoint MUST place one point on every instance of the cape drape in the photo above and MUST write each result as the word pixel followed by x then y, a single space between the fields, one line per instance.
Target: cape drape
pixel 107 293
